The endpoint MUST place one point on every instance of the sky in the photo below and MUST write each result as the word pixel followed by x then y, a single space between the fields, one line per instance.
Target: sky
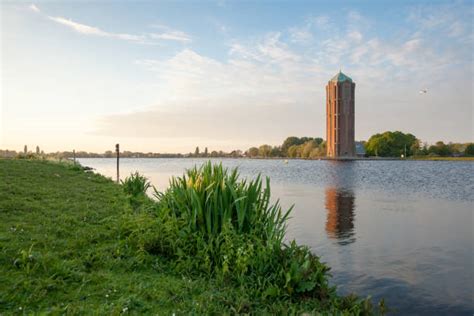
pixel 170 76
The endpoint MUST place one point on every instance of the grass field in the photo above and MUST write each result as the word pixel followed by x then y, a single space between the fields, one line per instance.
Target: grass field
pixel 63 250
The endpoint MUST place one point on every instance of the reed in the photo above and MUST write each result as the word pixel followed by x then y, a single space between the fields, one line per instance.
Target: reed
pixel 135 185
pixel 212 199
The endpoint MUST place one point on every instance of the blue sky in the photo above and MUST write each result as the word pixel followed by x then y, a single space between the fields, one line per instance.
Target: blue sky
pixel 169 76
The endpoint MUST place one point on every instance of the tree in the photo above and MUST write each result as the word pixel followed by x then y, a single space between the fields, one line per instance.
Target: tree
pixel 416 148
pixel 440 149
pixel 290 141
pixel 469 151
pixel 318 140
pixel 252 152
pixel 205 152
pixel 265 150
pixel 390 144
pixel 308 148
pixel 196 152
pixel 293 151
pixel 276 151
pixel 37 150
pixel 25 149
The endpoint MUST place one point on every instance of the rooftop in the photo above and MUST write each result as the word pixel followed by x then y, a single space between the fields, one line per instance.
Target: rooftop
pixel 340 77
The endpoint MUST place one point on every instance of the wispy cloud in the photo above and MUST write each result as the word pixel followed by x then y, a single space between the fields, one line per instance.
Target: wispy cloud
pixel 80 28
pixel 167 35
pixel 172 36
pixel 34 8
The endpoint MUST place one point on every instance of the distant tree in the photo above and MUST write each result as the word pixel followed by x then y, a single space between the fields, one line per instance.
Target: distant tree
pixel 318 140
pixel 37 150
pixel 276 151
pixel 205 152
pixel 469 151
pixel 440 149
pixel 416 148
pixel 290 141
pixel 196 152
pixel 252 152
pixel 390 144
pixel 25 149
pixel 214 154
pixel 108 154
pixel 265 150
pixel 293 151
pixel 308 148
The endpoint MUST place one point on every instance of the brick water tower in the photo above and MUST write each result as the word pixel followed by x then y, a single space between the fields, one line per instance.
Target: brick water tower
pixel 340 120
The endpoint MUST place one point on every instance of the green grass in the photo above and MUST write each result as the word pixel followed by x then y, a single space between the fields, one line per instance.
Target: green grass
pixel 434 158
pixel 70 242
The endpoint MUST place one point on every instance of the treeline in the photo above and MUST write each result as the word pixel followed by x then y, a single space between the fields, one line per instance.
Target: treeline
pixel 292 147
pixel 396 144
pixel 40 154
pixel 387 144
pixel 215 154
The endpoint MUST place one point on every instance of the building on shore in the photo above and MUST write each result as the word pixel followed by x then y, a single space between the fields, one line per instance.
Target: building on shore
pixel 340 119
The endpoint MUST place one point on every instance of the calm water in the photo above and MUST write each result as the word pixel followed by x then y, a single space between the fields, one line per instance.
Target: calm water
pixel 399 230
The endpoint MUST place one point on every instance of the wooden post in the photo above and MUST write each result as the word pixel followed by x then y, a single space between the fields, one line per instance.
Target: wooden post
pixel 74 155
pixel 117 149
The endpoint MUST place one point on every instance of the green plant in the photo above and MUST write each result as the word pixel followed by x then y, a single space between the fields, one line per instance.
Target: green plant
pixel 135 184
pixel 211 199
pixel 213 223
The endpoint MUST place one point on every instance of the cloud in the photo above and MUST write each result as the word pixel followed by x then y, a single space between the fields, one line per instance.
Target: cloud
pixel 173 36
pixel 300 35
pixel 168 35
pixel 80 28
pixel 34 8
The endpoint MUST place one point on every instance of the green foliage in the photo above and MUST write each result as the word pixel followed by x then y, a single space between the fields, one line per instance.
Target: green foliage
pixel 70 244
pixel 390 144
pixel 469 151
pixel 440 149
pixel 252 152
pixel 211 199
pixel 136 186
pixel 265 151
pixel 214 224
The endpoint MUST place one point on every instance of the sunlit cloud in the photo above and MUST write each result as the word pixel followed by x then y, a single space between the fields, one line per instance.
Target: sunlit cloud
pixel 173 36
pixel 168 35
pixel 34 8
pixel 80 28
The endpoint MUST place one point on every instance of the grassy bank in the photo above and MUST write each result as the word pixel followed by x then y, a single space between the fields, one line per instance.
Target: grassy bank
pixel 441 158
pixel 71 242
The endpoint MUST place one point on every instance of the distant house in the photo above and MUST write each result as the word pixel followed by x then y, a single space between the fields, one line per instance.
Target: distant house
pixel 359 149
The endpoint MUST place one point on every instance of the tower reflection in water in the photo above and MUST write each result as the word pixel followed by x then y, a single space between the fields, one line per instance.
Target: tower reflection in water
pixel 340 218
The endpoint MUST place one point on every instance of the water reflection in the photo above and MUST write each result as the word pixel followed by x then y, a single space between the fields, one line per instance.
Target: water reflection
pixel 340 217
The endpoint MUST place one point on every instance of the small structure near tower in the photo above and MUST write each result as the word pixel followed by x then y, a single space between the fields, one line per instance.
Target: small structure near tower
pixel 340 119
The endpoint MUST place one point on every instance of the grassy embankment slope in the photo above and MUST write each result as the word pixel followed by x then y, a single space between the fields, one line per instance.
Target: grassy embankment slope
pixel 63 249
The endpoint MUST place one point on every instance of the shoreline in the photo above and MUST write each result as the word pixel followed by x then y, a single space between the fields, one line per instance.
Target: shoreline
pixel 315 159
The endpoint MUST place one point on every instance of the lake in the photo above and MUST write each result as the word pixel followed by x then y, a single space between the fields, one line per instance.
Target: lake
pixel 399 230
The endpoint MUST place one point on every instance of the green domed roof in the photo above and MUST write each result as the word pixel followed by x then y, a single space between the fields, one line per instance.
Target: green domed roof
pixel 340 77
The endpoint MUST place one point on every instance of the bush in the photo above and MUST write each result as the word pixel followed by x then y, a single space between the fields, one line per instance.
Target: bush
pixel 136 186
pixel 212 223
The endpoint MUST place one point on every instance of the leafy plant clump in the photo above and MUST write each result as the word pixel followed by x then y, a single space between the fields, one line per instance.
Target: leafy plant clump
pixel 136 186
pixel 212 223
